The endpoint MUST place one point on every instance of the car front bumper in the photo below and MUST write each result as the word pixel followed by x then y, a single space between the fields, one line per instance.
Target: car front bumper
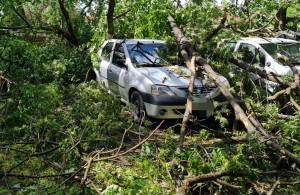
pixel 173 107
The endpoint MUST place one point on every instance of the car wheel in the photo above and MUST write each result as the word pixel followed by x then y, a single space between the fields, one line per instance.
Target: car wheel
pixel 137 100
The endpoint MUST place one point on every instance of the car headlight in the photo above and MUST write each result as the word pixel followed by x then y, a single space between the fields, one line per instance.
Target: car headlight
pixel 161 90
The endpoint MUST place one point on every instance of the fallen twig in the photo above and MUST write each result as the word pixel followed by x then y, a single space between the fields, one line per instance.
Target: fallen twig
pixel 228 184
pixel 276 184
pixel 131 149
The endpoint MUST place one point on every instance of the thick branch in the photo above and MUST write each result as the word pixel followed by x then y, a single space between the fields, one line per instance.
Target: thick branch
pixel 281 17
pixel 228 184
pixel 186 48
pixel 44 152
pixel 65 13
pixel 276 184
pixel 276 95
pixel 60 31
pixel 216 175
pixel 13 28
pixel 295 104
pixel 33 176
pixel 207 177
pixel 190 61
pixel 122 14
pixel 267 139
pixel 110 18
pixel 189 103
pixel 291 86
pixel 215 31
pixel 262 74
pixel 251 126
pixel 16 11
pixel 239 113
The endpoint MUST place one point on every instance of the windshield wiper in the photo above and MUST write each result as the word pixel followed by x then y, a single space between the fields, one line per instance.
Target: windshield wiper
pixel 143 55
pixel 149 65
pixel 144 52
pixel 137 45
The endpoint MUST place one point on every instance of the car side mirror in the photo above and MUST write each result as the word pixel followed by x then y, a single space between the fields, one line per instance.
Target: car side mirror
pixel 262 61
pixel 121 62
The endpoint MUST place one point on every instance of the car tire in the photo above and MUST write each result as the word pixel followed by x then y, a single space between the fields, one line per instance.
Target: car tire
pixel 137 100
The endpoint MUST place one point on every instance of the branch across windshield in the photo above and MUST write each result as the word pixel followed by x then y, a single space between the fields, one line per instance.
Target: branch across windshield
pixel 149 54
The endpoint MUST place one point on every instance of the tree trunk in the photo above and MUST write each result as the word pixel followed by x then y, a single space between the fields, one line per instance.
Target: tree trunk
pixel 70 35
pixel 110 18
pixel 282 19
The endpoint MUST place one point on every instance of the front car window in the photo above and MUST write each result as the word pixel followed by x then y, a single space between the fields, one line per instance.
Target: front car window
pixel 249 53
pixel 106 51
pixel 231 46
pixel 290 50
pixel 118 55
pixel 154 54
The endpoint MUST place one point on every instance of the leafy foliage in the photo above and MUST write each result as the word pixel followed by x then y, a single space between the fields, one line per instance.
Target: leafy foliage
pixel 52 120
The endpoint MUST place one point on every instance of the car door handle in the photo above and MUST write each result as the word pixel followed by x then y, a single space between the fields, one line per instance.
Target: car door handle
pixel 109 70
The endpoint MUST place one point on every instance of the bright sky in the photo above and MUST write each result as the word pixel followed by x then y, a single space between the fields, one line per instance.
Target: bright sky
pixel 219 2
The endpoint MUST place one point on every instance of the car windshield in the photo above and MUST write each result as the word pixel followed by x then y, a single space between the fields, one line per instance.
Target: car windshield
pixel 154 54
pixel 290 50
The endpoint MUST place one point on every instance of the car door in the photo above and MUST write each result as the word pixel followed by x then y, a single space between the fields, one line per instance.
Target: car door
pixel 116 68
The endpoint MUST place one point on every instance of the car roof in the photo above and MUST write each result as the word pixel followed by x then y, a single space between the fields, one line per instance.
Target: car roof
pixel 268 40
pixel 134 41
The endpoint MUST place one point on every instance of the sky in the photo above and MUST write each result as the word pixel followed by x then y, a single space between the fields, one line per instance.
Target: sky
pixel 219 2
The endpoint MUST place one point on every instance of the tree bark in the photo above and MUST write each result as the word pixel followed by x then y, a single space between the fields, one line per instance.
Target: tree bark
pixel 190 59
pixel 262 74
pixel 281 17
pixel 110 18
pixel 239 112
pixel 216 175
pixel 216 30
pixel 70 35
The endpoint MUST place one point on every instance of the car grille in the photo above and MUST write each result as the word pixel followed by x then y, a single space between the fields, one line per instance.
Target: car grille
pixel 198 91
pixel 196 113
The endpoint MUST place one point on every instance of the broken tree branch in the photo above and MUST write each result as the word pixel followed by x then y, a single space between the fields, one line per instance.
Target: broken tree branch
pixel 274 187
pixel 110 18
pixel 26 22
pixel 251 126
pixel 239 113
pixel 189 181
pixel 228 184
pixel 34 176
pixel 291 86
pixel 189 103
pixel 65 13
pixel 215 31
pixel 190 61
pixel 271 77
pixel 121 15
pixel 131 149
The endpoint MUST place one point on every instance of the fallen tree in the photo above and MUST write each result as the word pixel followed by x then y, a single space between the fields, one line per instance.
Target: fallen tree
pixel 250 123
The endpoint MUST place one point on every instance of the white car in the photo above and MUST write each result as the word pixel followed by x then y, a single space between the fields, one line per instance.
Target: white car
pixel 268 54
pixel 138 72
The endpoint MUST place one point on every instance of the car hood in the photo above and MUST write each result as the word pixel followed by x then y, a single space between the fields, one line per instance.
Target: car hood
pixel 170 76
